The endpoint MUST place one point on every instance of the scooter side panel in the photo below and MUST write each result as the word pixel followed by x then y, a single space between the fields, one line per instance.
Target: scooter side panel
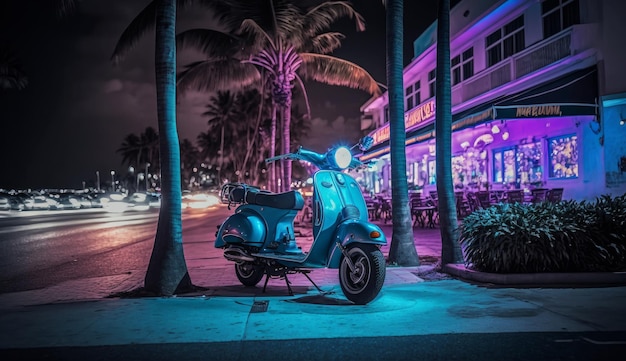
pixel 243 227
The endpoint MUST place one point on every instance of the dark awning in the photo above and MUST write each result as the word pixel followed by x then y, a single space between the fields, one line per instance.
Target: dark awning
pixel 573 94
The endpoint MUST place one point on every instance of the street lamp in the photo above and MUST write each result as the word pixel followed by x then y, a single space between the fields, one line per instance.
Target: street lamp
pixel 131 170
pixel 98 179
pixel 147 176
pixel 113 181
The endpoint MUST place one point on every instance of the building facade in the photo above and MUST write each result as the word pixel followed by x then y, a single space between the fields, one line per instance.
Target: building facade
pixel 538 100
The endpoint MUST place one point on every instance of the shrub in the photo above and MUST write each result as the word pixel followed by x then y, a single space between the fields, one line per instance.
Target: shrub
pixel 567 236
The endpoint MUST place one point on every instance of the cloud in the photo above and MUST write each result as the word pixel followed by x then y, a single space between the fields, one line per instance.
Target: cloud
pixel 112 86
pixel 324 133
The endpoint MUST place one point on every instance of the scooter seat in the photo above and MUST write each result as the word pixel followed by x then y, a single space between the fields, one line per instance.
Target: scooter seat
pixel 286 200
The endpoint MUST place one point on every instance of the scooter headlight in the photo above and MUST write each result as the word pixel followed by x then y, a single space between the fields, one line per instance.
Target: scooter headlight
pixel 342 157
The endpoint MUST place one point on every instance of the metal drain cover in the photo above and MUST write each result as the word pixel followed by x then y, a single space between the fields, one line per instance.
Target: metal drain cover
pixel 259 306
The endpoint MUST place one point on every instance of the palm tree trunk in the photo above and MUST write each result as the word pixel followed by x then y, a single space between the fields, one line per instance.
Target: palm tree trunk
pixel 167 271
pixel 219 170
pixel 286 112
pixel 272 183
pixel 450 248
pixel 402 250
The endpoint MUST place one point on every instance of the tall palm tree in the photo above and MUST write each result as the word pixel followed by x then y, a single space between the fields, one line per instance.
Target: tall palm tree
pixel 189 156
pixel 289 43
pixel 130 149
pixel 402 249
pixel 167 271
pixel 221 113
pixel 450 248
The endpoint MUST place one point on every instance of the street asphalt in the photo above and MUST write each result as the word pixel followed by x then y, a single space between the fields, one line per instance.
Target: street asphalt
pixel 92 319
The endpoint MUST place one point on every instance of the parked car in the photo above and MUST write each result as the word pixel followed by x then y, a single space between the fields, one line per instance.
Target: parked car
pixel 5 204
pixel 67 201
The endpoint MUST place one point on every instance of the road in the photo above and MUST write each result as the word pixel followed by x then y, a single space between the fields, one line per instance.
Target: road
pixel 40 249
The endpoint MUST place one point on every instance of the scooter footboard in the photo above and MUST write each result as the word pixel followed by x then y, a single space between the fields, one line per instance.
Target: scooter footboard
pixel 354 231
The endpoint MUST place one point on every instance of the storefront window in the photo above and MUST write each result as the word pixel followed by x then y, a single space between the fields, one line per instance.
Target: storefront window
pixel 529 169
pixel 563 157
pixel 458 171
pixel 469 169
pixel 518 165
pixel 509 166
pixel 432 179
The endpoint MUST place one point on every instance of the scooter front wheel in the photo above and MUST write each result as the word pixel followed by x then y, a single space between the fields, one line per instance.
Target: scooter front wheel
pixel 362 284
pixel 249 274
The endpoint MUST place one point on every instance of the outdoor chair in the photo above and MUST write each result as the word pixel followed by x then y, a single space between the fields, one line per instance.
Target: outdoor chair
pixel 554 195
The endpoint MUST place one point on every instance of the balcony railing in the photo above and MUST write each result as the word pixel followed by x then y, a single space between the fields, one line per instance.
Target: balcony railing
pixel 531 59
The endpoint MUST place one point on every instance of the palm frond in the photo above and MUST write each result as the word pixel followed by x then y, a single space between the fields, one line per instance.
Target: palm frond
pixel 144 22
pixel 211 43
pixel 326 43
pixel 210 75
pixel 253 30
pixel 335 71
pixel 319 18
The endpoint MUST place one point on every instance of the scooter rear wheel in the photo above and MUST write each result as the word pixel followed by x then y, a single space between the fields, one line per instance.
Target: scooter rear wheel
pixel 249 274
pixel 364 283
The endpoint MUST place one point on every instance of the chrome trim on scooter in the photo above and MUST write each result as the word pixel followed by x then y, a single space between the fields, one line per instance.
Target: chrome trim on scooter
pixel 237 255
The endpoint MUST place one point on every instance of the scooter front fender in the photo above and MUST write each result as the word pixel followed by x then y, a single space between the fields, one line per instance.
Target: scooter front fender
pixel 354 231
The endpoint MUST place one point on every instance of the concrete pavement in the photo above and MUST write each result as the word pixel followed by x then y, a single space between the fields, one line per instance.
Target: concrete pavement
pixel 413 301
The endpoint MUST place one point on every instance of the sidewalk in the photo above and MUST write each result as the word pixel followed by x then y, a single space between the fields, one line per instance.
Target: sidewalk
pixel 80 313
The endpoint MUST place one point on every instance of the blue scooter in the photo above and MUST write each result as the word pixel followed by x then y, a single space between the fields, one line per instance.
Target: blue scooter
pixel 259 237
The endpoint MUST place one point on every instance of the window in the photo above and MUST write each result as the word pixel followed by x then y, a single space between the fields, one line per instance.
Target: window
pixel 559 15
pixel 412 95
pixel 432 174
pixel 563 152
pixel 386 110
pixel 505 42
pixel 432 76
pixel 518 165
pixel 504 166
pixel 529 169
pixel 462 66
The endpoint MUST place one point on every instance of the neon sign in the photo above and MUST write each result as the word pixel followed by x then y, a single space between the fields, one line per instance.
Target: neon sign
pixel 417 116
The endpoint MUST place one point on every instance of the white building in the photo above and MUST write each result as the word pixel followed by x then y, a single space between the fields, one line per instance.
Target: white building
pixel 538 99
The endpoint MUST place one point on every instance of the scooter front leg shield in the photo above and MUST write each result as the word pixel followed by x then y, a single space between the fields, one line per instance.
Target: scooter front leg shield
pixel 354 231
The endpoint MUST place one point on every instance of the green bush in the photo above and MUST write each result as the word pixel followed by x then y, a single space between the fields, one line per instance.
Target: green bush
pixel 567 236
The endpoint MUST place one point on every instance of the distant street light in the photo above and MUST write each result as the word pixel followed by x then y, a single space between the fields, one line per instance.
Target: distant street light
pixel 113 181
pixel 98 179
pixel 147 176
pixel 131 170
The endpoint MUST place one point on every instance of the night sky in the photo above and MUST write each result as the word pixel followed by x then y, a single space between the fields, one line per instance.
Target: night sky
pixel 78 106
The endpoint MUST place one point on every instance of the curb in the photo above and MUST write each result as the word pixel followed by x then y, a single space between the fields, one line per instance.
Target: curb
pixel 530 279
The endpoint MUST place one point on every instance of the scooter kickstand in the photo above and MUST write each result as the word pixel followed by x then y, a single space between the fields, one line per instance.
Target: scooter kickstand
pixel 267 278
pixel 306 274
pixel 288 285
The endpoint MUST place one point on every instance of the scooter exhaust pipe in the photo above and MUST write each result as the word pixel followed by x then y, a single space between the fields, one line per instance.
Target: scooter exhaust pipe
pixel 237 255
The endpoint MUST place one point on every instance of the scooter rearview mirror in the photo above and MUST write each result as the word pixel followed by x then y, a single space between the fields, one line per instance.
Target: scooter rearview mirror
pixel 366 143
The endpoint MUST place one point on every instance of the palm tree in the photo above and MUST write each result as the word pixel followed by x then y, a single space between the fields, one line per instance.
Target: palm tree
pixel 450 248
pixel 288 43
pixel 167 271
pixel 402 249
pixel 189 156
pixel 150 144
pixel 130 149
pixel 221 113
